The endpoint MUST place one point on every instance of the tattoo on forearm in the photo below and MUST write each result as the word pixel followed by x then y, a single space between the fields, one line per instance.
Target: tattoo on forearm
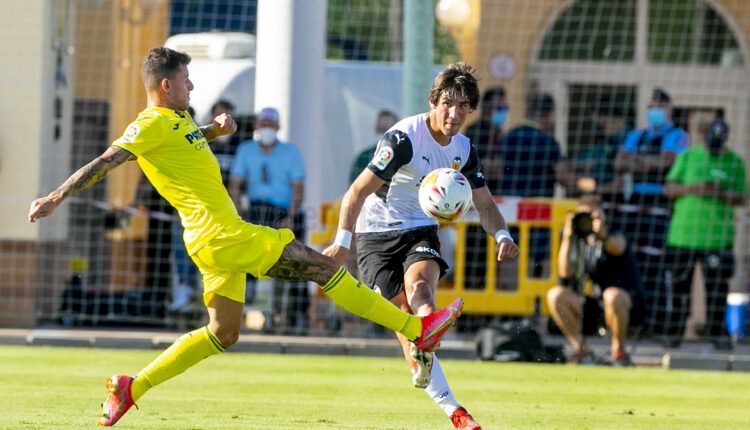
pixel 300 263
pixel 94 171
pixel 208 132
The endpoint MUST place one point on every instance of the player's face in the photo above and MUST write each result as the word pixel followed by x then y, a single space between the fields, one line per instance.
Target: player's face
pixel 450 113
pixel 179 88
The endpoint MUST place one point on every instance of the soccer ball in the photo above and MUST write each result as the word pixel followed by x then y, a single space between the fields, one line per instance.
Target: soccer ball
pixel 445 195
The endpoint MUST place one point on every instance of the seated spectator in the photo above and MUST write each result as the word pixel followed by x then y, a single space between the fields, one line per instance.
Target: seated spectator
pixel 707 182
pixel 590 251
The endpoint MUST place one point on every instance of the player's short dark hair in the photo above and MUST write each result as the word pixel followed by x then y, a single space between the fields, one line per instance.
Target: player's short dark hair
pixel 161 63
pixel 222 104
pixel 388 113
pixel 492 93
pixel 660 95
pixel 456 79
pixel 539 105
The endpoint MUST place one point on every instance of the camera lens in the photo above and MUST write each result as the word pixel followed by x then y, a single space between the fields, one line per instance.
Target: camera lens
pixel 583 224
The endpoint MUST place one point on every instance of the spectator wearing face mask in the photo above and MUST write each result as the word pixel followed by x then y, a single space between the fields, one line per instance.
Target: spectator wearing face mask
pixel 486 132
pixel 706 183
pixel 272 173
pixel 644 211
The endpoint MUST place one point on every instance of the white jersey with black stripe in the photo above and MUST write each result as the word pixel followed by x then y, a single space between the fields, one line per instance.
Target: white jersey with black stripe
pixel 404 156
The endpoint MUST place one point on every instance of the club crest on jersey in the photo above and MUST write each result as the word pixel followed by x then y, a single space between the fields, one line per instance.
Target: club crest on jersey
pixel 456 164
pixel 383 157
pixel 130 133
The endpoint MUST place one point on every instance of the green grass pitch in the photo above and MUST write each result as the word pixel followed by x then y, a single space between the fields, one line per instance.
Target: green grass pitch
pixel 61 388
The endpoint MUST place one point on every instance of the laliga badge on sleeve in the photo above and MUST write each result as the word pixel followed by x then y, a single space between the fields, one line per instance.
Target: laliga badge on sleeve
pixel 383 157
pixel 130 133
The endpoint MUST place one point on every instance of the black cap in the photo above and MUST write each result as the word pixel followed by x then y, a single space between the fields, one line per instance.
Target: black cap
pixel 493 92
pixel 660 96
pixel 540 105
pixel 717 131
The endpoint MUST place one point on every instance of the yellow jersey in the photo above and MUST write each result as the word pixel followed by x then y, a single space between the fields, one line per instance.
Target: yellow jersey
pixel 175 156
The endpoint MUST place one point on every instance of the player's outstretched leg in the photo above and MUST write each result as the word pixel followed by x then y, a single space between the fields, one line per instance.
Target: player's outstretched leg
pixel 301 263
pixel 222 331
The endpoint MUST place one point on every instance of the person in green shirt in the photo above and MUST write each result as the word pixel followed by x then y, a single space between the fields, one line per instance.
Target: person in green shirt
pixel 385 120
pixel 706 182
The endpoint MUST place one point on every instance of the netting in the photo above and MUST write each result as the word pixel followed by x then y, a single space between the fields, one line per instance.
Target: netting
pixel 569 108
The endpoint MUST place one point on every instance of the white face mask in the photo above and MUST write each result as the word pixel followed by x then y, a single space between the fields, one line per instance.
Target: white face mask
pixel 265 135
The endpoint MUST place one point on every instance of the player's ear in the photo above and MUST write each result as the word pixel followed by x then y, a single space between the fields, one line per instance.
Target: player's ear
pixel 165 85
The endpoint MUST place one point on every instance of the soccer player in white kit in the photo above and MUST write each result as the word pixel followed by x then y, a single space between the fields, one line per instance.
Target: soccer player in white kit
pixel 398 250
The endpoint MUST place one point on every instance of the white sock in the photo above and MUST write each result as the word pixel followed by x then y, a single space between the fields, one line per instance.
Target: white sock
pixel 439 390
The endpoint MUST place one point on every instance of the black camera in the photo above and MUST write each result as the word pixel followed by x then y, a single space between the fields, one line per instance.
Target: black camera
pixel 583 225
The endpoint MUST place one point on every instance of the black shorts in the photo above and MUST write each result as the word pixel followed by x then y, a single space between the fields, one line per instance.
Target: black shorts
pixel 383 258
pixel 593 315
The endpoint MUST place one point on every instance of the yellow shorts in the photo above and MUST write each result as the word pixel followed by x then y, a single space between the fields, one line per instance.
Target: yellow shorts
pixel 246 248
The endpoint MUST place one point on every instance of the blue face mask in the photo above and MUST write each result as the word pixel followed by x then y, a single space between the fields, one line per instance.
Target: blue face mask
pixel 656 117
pixel 499 116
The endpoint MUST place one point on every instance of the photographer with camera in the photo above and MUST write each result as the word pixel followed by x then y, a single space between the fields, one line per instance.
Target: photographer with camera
pixel 589 251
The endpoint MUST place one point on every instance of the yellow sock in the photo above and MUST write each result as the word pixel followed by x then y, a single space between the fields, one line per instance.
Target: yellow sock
pixel 188 350
pixel 356 298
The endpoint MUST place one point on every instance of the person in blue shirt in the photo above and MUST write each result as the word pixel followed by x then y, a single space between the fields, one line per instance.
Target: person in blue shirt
pixel 273 174
pixel 643 212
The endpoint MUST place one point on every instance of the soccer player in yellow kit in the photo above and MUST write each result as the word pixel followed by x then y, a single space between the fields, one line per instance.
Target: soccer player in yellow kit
pixel 174 155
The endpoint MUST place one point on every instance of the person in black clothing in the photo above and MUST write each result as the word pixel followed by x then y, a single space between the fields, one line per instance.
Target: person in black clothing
pixel 531 165
pixel 644 214
pixel 589 250
pixel 485 135
pixel 224 147
pixel 486 132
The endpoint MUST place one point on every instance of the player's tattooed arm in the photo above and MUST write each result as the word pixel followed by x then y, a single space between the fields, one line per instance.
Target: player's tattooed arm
pixel 84 177
pixel 94 171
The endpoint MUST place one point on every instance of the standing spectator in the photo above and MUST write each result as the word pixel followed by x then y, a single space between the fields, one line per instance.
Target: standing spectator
pixel 385 121
pixel 485 135
pixel 706 183
pixel 589 250
pixel 224 147
pixel 594 166
pixel 644 160
pixel 486 132
pixel 531 164
pixel 273 174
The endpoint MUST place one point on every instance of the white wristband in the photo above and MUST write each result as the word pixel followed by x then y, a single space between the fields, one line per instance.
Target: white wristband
pixel 502 234
pixel 343 238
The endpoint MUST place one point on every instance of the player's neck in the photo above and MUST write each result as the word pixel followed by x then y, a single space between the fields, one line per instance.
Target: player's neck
pixel 435 131
pixel 156 101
